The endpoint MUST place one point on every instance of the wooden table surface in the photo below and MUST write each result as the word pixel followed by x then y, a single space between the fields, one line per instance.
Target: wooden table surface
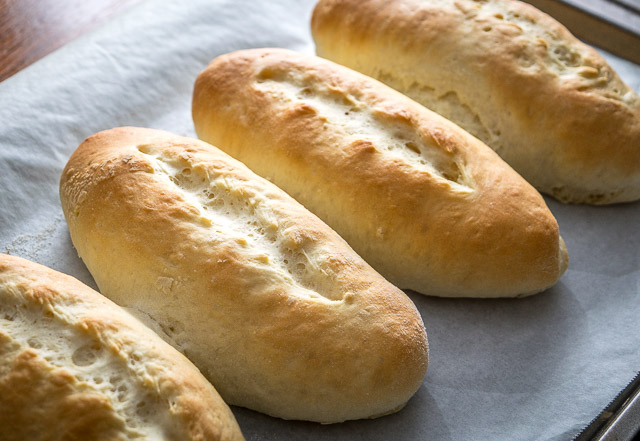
pixel 31 29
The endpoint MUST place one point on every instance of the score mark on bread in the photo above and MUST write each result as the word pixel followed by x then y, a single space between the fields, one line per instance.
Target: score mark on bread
pixel 374 129
pixel 235 217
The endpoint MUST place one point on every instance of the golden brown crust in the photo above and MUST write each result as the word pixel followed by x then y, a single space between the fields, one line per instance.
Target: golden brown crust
pixel 511 75
pixel 270 303
pixel 75 366
pixel 426 204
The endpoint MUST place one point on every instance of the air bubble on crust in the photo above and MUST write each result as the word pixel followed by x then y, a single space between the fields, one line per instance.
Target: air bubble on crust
pixel 34 342
pixel 85 355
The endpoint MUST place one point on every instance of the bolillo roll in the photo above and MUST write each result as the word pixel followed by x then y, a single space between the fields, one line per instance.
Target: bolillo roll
pixel 426 204
pixel 75 366
pixel 275 309
pixel 509 74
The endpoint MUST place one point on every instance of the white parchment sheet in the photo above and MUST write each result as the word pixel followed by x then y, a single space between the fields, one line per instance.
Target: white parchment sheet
pixel 536 368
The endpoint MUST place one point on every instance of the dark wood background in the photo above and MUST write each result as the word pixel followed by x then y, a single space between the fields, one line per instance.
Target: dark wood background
pixel 31 29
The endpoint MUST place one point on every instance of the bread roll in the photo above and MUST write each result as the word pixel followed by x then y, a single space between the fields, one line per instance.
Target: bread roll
pixel 426 204
pixel 74 366
pixel 509 74
pixel 269 302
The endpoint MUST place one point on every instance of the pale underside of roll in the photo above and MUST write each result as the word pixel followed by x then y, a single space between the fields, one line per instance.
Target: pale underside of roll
pixel 426 204
pixel 75 366
pixel 509 74
pixel 270 303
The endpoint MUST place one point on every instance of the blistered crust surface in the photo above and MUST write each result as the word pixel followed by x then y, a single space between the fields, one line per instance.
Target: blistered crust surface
pixel 270 303
pixel 509 74
pixel 75 366
pixel 426 204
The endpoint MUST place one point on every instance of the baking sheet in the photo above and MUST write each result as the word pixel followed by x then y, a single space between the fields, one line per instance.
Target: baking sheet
pixel 536 368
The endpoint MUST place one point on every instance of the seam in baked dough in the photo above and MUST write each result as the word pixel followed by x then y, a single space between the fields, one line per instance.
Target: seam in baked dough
pixel 444 102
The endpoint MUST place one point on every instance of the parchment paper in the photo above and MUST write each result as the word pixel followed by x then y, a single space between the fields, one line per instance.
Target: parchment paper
pixel 536 368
